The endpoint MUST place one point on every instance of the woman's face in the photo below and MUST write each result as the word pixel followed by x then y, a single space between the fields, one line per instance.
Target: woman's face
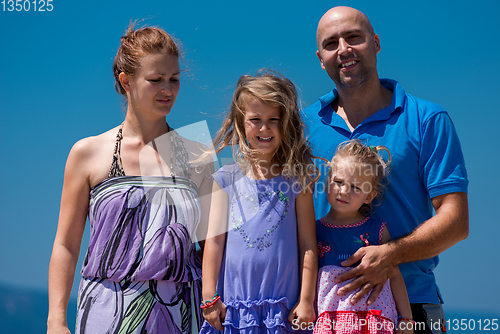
pixel 155 87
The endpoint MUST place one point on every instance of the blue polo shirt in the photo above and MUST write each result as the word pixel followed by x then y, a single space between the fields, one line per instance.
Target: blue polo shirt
pixel 427 161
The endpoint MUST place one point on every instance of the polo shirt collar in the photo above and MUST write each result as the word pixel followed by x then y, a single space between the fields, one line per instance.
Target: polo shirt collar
pixel 326 113
pixel 329 117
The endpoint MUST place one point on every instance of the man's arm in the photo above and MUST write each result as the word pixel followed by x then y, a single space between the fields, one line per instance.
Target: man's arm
pixel 449 226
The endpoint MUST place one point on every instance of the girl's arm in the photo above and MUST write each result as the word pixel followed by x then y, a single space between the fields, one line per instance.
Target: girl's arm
pixel 212 255
pixel 71 225
pixel 303 311
pixel 399 293
pixel 402 302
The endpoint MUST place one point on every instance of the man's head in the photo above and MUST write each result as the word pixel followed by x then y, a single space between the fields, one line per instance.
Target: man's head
pixel 347 47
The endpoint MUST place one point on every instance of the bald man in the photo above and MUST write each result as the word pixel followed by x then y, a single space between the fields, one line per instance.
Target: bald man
pixel 427 170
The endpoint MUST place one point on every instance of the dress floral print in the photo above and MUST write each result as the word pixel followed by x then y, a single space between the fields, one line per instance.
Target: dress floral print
pixel 141 273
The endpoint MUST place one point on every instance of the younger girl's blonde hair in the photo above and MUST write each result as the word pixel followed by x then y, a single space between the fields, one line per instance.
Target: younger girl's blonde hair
pixel 294 155
pixel 369 160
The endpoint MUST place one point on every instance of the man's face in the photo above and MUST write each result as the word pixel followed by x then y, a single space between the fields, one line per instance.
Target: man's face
pixel 347 47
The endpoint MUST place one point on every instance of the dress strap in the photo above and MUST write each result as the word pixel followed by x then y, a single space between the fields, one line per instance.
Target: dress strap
pixel 179 157
pixel 116 168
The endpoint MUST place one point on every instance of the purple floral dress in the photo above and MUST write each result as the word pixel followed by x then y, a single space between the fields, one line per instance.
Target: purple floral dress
pixel 259 279
pixel 141 273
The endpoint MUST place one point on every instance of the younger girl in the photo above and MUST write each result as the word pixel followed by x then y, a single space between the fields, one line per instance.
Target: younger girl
pixel 354 181
pixel 260 261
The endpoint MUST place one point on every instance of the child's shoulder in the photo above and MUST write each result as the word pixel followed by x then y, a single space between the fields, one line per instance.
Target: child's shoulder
pixel 377 222
pixel 228 175
pixel 379 227
pixel 231 168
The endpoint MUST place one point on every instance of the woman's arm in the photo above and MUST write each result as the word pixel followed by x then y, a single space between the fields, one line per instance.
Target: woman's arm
pixel 212 255
pixel 205 197
pixel 71 225
pixel 303 311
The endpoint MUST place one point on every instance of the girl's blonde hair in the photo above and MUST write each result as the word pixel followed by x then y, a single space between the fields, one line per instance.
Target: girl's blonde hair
pixel 294 154
pixel 367 158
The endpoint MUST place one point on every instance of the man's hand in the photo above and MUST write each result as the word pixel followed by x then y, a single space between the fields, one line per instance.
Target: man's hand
pixel 447 227
pixel 370 275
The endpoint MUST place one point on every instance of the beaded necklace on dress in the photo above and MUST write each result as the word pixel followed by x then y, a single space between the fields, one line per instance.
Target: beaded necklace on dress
pixel 179 158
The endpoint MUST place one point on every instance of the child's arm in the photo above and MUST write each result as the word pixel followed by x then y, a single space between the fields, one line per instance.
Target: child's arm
pixel 402 302
pixel 212 255
pixel 306 231
pixel 399 293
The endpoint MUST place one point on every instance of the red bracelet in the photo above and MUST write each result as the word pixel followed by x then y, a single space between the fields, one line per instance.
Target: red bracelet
pixel 210 303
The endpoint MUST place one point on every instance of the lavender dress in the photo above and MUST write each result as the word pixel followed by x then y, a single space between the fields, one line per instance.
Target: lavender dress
pixel 141 273
pixel 259 278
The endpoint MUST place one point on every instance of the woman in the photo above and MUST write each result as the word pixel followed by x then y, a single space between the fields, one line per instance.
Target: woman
pixel 143 198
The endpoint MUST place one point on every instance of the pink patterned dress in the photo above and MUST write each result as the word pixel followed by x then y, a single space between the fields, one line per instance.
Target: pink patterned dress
pixel 336 314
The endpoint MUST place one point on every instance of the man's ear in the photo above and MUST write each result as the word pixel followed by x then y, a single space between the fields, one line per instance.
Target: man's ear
pixel 124 81
pixel 320 59
pixel 376 40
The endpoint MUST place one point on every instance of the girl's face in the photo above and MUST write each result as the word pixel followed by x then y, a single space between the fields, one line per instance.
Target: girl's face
pixel 350 187
pixel 155 88
pixel 262 127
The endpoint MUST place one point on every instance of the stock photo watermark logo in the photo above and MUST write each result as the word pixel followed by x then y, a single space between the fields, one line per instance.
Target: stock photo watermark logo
pixel 27 5
pixel 359 325
pixel 185 156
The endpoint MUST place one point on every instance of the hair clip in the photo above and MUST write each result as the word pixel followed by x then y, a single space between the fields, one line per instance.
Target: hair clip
pixel 373 148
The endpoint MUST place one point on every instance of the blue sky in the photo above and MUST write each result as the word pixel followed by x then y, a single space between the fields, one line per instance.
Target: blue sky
pixel 56 87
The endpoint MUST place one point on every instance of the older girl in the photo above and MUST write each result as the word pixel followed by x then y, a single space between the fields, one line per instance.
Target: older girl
pixel 260 263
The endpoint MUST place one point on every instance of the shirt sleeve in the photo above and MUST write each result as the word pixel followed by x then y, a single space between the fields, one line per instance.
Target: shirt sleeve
pixel 218 177
pixel 442 166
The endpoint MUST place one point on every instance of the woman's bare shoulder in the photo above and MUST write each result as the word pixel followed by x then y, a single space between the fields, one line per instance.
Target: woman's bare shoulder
pixel 199 152
pixel 92 156
pixel 201 159
pixel 194 147
pixel 89 146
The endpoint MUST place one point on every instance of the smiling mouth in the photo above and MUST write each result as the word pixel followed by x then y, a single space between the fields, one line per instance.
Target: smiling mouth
pixel 344 65
pixel 264 138
pixel 163 100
